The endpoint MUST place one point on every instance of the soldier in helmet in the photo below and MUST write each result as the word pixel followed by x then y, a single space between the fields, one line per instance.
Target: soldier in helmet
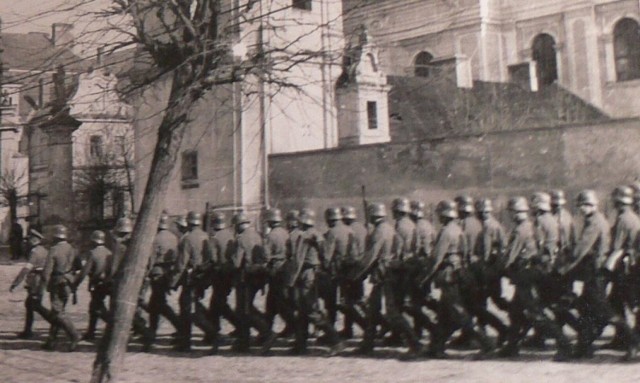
pixel 567 229
pixel 57 278
pixel 636 196
pixel 308 257
pixel 588 264
pixel 624 235
pixel 122 238
pixel 163 259
pixel 279 299
pixel 525 268
pixel 97 269
pixel 417 266
pixel 449 276
pixel 352 290
pixel 338 240
pixel 250 261
pixel 194 253
pixel 382 260
pixel 547 232
pixel 470 225
pixel 222 248
pixel 32 274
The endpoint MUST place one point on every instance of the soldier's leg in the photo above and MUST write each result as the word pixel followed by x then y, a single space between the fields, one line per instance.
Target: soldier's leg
pixel 58 302
pixel 185 303
pixel 394 313
pixel 244 320
pixel 94 312
pixel 28 318
pixel 373 307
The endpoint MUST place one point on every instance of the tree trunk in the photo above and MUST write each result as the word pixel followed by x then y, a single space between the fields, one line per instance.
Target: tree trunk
pixel 131 273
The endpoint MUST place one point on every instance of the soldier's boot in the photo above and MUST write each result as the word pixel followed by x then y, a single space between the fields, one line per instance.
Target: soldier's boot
pixel 27 333
pixel 90 334
pixel 537 341
pixel 487 348
pixel 70 330
pixel 564 352
pixel 463 341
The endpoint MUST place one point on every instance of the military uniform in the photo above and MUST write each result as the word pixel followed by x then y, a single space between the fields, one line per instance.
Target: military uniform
pixel 336 255
pixel 32 274
pixel 308 256
pixel 591 252
pixel 194 252
pixel 97 268
pixel 57 278
pixel 383 252
pixel 163 258
pixel 249 259
pixel 279 299
pixel 222 248
pixel 526 309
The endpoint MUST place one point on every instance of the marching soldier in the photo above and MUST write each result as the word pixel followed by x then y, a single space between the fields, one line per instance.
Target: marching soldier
pixel 308 258
pixel 588 265
pixel 525 268
pixel 547 234
pixel 163 259
pixel 448 276
pixel 279 299
pixel 624 235
pixel 57 278
pixel 382 260
pixel 352 290
pixel 122 238
pixel 470 225
pixel 249 260
pixel 425 233
pixel 32 272
pixel 194 253
pixel 97 269
pixel 567 229
pixel 222 248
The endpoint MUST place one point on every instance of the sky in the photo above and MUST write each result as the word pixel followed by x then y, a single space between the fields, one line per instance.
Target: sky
pixel 23 16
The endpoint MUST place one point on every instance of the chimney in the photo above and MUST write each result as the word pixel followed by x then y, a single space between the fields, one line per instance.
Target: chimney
pixel 62 35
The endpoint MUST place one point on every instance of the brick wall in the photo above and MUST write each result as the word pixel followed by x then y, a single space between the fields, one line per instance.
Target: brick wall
pixel 498 165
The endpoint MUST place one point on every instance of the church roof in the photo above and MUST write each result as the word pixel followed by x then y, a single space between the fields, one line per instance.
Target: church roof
pixel 423 108
pixel 35 51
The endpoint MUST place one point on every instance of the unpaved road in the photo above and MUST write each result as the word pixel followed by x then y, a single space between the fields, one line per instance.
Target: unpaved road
pixel 23 361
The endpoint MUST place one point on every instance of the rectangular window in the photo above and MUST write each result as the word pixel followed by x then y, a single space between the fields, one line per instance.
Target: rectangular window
pixel 190 166
pixel 96 147
pixel 372 114
pixel 302 4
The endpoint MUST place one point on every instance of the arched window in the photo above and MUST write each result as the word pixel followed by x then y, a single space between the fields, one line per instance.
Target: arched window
pixel 421 64
pixel 626 46
pixel 544 53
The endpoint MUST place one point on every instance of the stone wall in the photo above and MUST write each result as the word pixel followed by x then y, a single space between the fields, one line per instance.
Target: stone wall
pixel 498 165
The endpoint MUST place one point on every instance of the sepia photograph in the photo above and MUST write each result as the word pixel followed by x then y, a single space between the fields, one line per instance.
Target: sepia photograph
pixel 319 191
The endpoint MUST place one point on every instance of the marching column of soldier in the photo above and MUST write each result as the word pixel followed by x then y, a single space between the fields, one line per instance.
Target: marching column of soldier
pixel 423 281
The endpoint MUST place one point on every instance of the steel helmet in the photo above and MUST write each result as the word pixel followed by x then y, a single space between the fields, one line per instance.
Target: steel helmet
pixel 308 217
pixel 465 203
pixel 333 214
pixel 181 221
pixel 587 197
pixel 194 219
pixel 98 237
pixel 417 209
pixel 401 205
pixel 124 225
pixel 164 222
pixel 623 194
pixel 541 201
pixel 60 232
pixel 293 215
pixel 218 220
pixel 518 204
pixel 636 190
pixel 349 212
pixel 240 217
pixel 447 208
pixel 377 210
pixel 273 215
pixel 558 198
pixel 484 205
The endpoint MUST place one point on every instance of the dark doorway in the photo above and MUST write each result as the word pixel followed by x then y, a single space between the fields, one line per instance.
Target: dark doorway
pixel 544 53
